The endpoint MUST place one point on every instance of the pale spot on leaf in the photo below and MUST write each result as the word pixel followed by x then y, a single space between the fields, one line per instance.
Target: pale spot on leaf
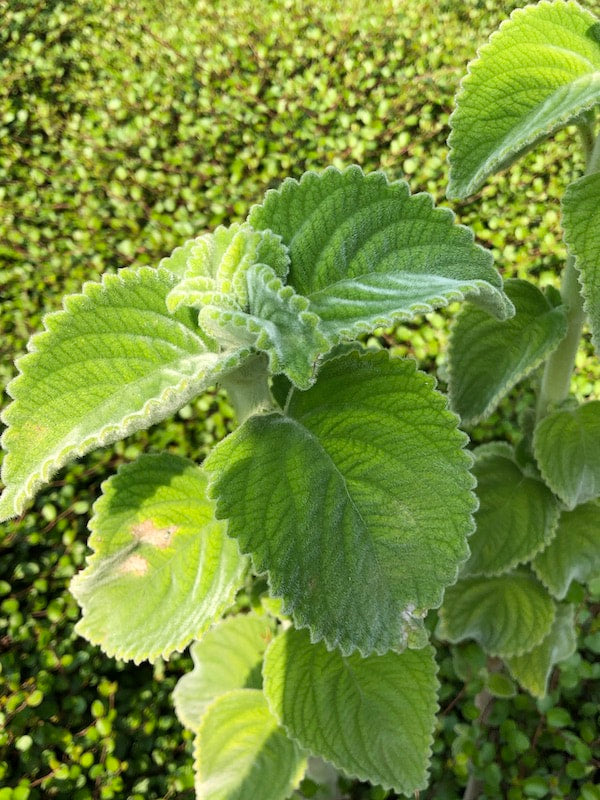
pixel 134 565
pixel 149 533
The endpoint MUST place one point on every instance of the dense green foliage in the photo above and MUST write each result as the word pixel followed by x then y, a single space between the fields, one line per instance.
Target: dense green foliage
pixel 128 134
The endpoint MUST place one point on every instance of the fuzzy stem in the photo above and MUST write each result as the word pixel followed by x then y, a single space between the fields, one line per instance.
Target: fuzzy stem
pixel 248 388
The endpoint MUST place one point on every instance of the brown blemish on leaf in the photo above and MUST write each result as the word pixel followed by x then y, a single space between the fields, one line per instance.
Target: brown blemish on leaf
pixel 149 533
pixel 134 565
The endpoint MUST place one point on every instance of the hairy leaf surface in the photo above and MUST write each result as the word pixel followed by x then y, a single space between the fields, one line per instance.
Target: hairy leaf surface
pixel 538 73
pixel 487 356
pixel 163 568
pixel 357 501
pixel 371 717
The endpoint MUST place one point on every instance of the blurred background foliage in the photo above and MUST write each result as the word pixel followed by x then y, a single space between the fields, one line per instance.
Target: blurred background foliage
pixel 128 127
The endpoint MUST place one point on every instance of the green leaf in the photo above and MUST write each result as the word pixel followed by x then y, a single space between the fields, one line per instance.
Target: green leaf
pixel 508 614
pixel 538 73
pixel 163 568
pixel 178 260
pixel 357 501
pixel 229 656
pixel 242 753
pixel 517 515
pixel 566 445
pixel 574 553
pixel 371 717
pixel 366 253
pixel 532 670
pixel 581 221
pixel 113 362
pixel 487 357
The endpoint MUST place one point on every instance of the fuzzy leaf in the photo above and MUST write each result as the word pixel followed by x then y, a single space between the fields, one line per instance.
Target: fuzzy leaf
pixel 357 501
pixel 574 553
pixel 581 221
pixel 487 357
pixel 242 753
pixel 229 656
pixel 517 516
pixel 538 73
pixel 163 568
pixel 113 362
pixel 567 449
pixel 366 253
pixel 371 717
pixel 533 669
pixel 508 614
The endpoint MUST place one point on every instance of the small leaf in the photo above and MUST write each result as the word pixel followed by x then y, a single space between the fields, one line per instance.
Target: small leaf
pixel 538 73
pixel 574 553
pixel 517 515
pixel 567 449
pixel 532 669
pixel 357 501
pixel 366 253
pixel 581 221
pixel 242 753
pixel 229 656
pixel 163 569
pixel 371 717
pixel 507 615
pixel 487 357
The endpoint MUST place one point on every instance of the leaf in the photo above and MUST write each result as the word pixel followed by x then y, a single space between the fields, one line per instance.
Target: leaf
pixel 163 568
pixel 366 253
pixel 113 362
pixel 508 614
pixel 356 501
pixel 229 656
pixel 487 357
pixel 566 446
pixel 177 261
pixel 581 222
pixel 574 553
pixel 537 73
pixel 532 670
pixel 242 753
pixel 517 515
pixel 371 717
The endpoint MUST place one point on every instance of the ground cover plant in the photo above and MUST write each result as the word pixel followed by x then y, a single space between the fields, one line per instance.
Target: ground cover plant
pixel 260 314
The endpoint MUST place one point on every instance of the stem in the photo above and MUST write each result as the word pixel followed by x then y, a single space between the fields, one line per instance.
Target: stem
pixel 248 388
pixel 484 701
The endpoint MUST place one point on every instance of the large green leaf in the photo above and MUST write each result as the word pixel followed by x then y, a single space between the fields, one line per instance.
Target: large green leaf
pixel 574 553
pixel 242 753
pixel 113 362
pixel 487 357
pixel 538 73
pixel 508 614
pixel 366 253
pixel 517 515
pixel 357 501
pixel 163 568
pixel 533 669
pixel 581 221
pixel 371 717
pixel 567 449
pixel 229 656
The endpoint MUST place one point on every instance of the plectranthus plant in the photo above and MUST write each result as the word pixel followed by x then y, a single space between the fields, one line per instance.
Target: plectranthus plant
pixel 349 483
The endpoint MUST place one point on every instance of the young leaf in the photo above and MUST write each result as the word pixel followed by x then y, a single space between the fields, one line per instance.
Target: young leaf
pixel 517 516
pixel 113 362
pixel 163 568
pixel 366 253
pixel 241 752
pixel 487 357
pixel 371 717
pixel 538 73
pixel 357 501
pixel 581 221
pixel 229 656
pixel 574 553
pixel 533 669
pixel 508 615
pixel 567 449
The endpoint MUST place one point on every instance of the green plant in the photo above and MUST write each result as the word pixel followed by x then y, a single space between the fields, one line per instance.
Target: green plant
pixel 347 480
